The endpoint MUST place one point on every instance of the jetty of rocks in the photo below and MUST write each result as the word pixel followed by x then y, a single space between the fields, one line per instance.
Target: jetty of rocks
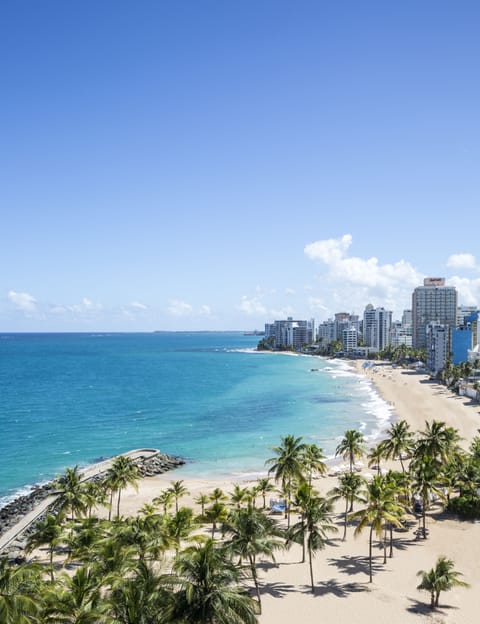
pixel 19 518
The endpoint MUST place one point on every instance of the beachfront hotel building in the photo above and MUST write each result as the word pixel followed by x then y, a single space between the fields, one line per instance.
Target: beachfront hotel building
pixel 376 327
pixel 291 333
pixel 432 303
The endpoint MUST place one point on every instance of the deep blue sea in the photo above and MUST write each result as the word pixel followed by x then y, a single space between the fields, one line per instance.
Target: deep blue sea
pixel 69 399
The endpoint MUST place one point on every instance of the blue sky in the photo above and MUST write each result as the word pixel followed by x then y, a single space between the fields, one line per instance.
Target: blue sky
pixel 205 164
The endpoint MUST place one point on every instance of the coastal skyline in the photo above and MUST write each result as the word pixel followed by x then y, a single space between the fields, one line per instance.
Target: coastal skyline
pixel 208 165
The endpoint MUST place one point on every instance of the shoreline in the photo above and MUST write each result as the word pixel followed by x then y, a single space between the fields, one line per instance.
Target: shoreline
pixel 341 568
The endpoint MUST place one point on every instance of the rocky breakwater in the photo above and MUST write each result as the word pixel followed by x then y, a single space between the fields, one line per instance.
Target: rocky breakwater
pixel 12 513
pixel 157 464
pixel 149 462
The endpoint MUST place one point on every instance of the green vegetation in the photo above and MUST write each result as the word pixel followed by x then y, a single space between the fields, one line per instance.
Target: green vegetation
pixel 440 578
pixel 174 564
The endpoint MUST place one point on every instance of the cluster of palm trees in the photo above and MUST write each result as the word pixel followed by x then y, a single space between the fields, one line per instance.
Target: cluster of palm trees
pixel 158 566
pixel 171 563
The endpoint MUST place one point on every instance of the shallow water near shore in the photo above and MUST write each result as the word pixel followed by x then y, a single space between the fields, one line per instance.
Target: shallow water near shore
pixel 71 399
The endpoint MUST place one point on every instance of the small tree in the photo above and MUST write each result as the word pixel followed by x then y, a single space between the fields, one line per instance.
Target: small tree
pixel 440 578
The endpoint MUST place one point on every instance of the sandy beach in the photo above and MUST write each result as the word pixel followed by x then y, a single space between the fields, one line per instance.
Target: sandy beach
pixel 341 569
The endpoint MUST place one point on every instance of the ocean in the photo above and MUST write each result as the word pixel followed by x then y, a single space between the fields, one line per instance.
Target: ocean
pixel 68 399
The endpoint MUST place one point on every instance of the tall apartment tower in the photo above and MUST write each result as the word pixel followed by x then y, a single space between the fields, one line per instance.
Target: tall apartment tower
pixel 432 303
pixel 376 327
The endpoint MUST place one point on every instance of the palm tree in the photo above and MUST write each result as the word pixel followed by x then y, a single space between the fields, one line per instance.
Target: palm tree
pixel 398 444
pixel 239 495
pixel 352 446
pixel 149 536
pixel 350 488
pixel 288 465
pixel 313 457
pixel 252 533
pixel 427 480
pixel 165 499
pixel 202 500
pixel 178 490
pixel 113 558
pixel 77 600
pixel 95 494
pixel 216 513
pixel 264 485
pixel 180 526
pixel 142 598
pixel 20 588
pixel 208 591
pixel 437 441
pixel 316 513
pixel 382 508
pixel 440 578
pixel 122 472
pixel 48 531
pixel 71 491
pixel 375 456
pixel 84 538
pixel 218 495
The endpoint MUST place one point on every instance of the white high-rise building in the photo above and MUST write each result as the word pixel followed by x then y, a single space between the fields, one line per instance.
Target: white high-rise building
pixel 437 340
pixel 376 327
pixel 291 333
pixel 432 303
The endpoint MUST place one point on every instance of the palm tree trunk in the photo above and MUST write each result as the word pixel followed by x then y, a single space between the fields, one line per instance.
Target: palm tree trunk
pixel 255 580
pixel 385 545
pixel 346 520
pixel 391 540
pixel 110 507
pixel 424 517
pixel 51 563
pixel 311 569
pixel 118 503
pixel 370 553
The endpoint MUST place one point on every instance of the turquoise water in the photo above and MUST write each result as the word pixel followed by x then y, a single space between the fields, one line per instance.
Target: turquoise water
pixel 71 399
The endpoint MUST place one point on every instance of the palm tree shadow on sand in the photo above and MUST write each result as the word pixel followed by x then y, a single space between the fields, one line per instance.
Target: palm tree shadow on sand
pixel 423 608
pixel 340 590
pixel 277 590
pixel 355 565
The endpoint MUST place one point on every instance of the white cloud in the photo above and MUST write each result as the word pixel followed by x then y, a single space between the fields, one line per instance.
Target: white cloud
pixel 179 308
pixel 136 305
pixel 330 251
pixel 281 313
pixel 462 261
pixel 57 309
pixel 289 291
pixel 87 306
pixel 22 301
pixel 316 304
pixel 468 290
pixel 252 306
pixel 205 310
pixel 351 282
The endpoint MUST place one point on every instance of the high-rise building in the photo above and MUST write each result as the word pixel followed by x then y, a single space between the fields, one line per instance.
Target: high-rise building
pixel 291 333
pixel 436 341
pixel 376 327
pixel 432 303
